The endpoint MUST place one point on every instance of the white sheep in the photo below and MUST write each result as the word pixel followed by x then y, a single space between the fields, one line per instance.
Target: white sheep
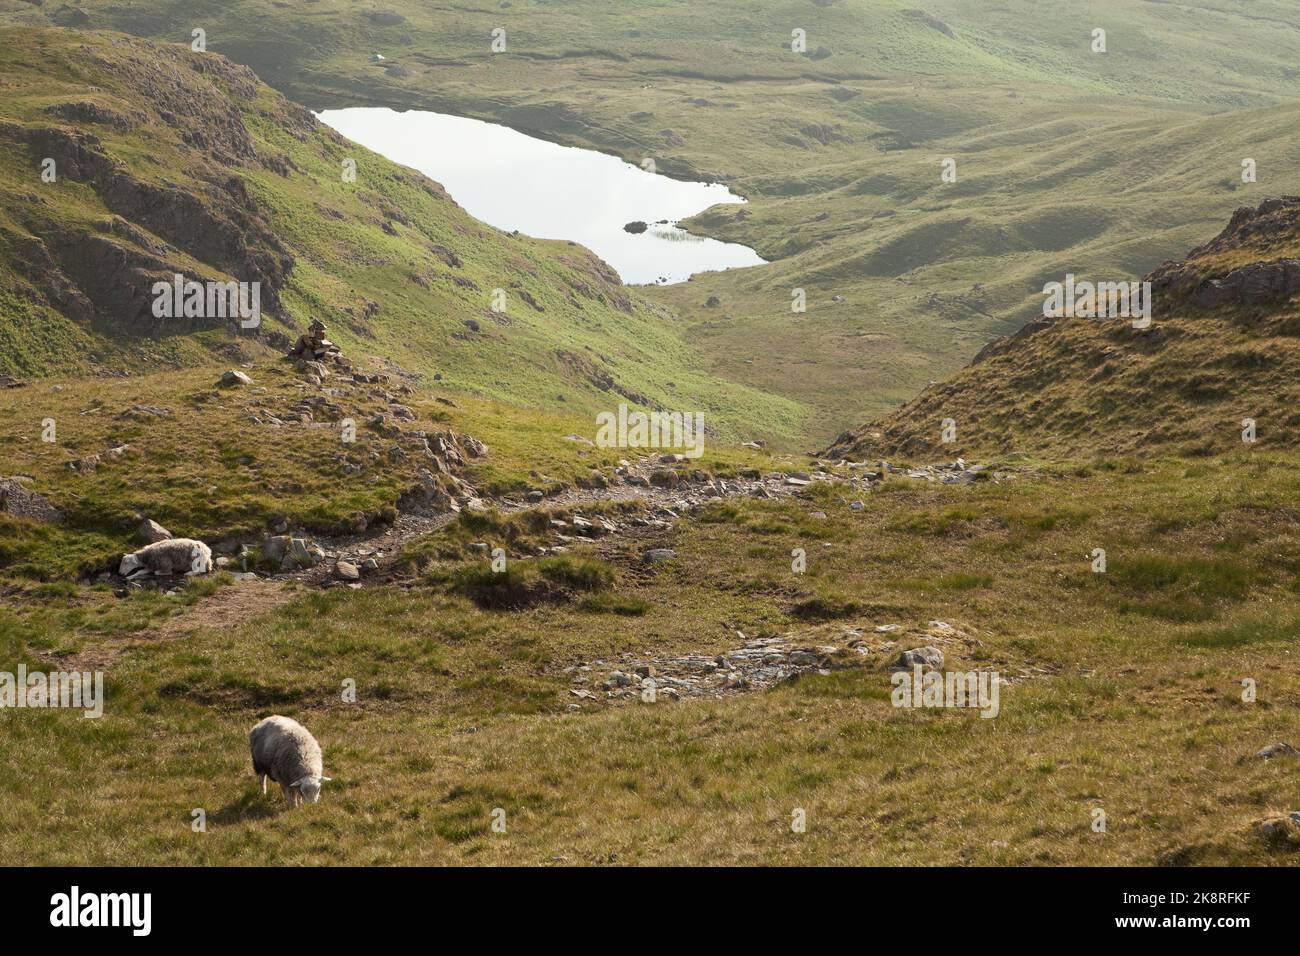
pixel 285 751
pixel 174 556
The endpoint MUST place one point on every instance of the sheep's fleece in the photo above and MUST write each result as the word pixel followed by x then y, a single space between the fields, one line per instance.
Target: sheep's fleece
pixel 285 751
pixel 174 556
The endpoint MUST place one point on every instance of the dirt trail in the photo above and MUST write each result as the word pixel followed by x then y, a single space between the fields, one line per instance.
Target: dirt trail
pixel 252 597
pixel 227 608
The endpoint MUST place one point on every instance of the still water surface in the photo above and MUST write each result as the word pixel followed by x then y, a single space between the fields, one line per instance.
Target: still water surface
pixel 514 181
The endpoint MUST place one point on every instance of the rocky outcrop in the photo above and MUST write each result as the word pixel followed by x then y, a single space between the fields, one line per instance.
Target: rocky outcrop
pixel 1223 346
pixel 1265 231
pixel 440 488
pixel 290 553
pixel 107 273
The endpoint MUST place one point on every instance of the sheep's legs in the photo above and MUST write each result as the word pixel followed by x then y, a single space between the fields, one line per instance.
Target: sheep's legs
pixel 263 784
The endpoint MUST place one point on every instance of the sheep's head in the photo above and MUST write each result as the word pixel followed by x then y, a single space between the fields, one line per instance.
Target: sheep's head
pixel 130 564
pixel 309 787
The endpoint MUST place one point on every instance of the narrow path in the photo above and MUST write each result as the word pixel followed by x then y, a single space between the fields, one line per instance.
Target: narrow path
pixel 228 607
pixel 252 597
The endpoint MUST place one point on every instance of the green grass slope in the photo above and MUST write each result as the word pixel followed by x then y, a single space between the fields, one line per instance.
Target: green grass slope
pixel 1223 346
pixel 169 161
pixel 1124 694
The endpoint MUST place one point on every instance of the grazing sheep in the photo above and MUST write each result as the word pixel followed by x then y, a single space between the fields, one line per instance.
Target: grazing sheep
pixel 175 556
pixel 285 751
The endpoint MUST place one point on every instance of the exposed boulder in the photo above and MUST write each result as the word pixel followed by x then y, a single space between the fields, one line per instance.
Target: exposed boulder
pixel 18 501
pixel 664 478
pixel 150 531
pixel 918 657
pixel 1277 750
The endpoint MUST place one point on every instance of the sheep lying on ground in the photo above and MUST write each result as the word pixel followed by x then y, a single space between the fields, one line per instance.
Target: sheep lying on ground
pixel 174 556
pixel 285 751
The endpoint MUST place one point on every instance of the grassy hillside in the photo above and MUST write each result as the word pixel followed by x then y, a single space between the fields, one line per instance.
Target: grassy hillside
pixel 1222 348
pixel 518 691
pixel 172 161
pixel 1067 160
pixel 1125 694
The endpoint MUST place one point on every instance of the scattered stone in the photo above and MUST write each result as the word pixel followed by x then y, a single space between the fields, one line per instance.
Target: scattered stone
pixel 346 571
pixel 139 413
pixel 659 555
pixel 759 664
pixel 1281 832
pixel 292 553
pixel 1277 750
pixel 664 478
pixel 235 377
pixel 919 656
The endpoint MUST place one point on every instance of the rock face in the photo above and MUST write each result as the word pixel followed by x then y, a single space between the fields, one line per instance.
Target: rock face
pixel 930 21
pixel 440 489
pixel 212 219
pixel 1280 832
pixel 1197 280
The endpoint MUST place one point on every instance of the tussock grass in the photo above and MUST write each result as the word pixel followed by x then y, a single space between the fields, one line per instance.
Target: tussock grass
pixel 530 582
